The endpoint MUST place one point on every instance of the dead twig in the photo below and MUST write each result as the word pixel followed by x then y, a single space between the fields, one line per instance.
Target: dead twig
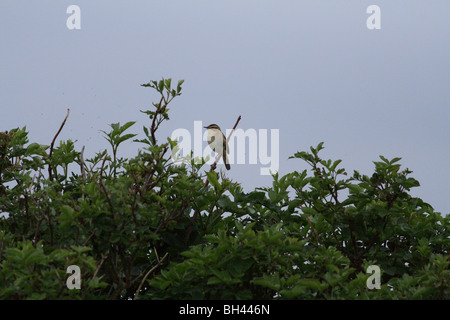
pixel 83 172
pixel 51 146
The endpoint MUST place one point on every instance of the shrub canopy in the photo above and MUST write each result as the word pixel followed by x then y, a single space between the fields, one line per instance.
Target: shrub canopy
pixel 146 228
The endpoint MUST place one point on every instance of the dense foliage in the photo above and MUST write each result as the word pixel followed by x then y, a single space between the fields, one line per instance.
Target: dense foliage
pixel 147 228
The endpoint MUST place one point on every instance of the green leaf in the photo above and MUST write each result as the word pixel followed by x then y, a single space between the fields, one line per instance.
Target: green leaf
pixel 212 178
pixel 126 126
pixel 354 188
pixel 35 148
pixel 125 137
pixel 161 86
pixel 335 164
pixel 313 284
pixel 167 84
pixel 179 86
pixel 271 282
pixel 256 196
pixel 309 211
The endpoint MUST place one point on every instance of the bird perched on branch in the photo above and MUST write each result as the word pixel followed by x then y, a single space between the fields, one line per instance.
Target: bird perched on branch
pixel 218 142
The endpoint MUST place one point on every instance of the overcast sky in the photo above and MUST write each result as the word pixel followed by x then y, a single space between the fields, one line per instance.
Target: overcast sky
pixel 311 69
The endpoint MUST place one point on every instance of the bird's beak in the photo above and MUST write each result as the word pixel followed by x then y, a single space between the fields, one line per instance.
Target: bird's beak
pixel 205 127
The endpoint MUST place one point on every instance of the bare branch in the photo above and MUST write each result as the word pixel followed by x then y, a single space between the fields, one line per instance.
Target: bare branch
pixel 53 142
pixel 82 165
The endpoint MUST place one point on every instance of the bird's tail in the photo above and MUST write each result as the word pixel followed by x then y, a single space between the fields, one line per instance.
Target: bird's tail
pixel 225 160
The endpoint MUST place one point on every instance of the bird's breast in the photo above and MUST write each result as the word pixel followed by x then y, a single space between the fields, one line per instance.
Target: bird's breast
pixel 215 139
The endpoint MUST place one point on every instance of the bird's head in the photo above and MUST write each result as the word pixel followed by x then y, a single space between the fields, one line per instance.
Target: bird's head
pixel 213 126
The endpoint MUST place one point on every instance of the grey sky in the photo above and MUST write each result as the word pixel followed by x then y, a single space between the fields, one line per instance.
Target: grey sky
pixel 311 69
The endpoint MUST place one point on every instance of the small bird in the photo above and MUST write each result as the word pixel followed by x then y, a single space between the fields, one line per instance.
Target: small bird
pixel 218 142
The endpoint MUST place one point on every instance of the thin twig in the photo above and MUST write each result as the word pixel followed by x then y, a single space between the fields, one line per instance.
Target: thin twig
pixel 104 256
pixel 102 186
pixel 83 172
pixel 89 238
pixel 148 273
pixel 314 230
pixel 232 130
pixel 156 254
pixel 150 175
pixel 51 146
pixel 103 165
pixel 155 126
pixel 191 225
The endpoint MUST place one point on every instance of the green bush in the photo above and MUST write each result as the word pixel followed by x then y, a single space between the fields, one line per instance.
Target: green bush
pixel 146 228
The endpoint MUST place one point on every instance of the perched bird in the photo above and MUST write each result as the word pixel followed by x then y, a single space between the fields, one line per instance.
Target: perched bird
pixel 218 142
